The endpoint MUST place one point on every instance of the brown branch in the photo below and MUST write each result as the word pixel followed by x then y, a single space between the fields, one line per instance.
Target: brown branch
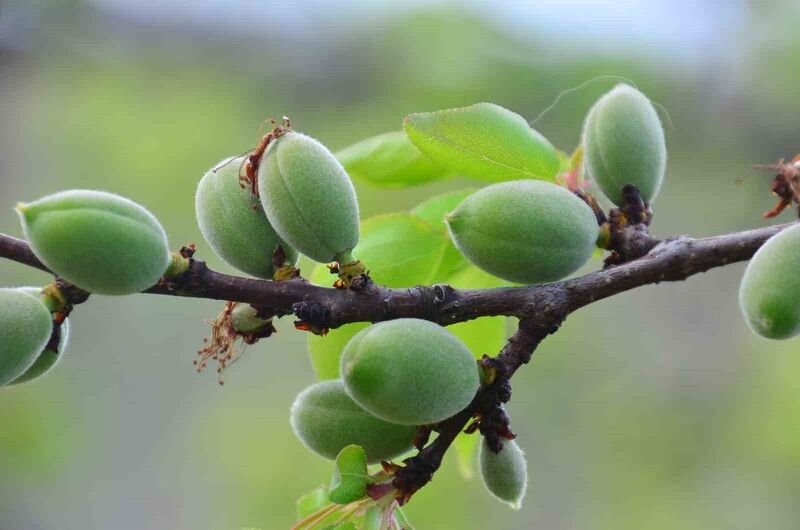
pixel 540 308
pixel 671 260
pixel 419 469
pixel 19 251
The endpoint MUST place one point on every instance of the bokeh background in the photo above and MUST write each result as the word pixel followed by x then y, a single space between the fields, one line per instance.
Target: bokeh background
pixel 656 409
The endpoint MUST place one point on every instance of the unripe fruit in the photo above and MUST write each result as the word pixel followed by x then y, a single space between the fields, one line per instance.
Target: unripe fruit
pixel 99 241
pixel 769 295
pixel 409 371
pixel 624 144
pixel 505 474
pixel 233 222
pixel 308 198
pixel 48 358
pixel 245 319
pixel 25 329
pixel 326 420
pixel 525 231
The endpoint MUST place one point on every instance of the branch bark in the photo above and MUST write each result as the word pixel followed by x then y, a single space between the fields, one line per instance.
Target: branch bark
pixel 540 308
pixel 674 259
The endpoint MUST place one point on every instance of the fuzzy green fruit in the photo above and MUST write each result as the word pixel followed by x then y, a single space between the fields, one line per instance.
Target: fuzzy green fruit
pixel 48 358
pixel 505 474
pixel 769 295
pixel 525 231
pixel 99 241
pixel 326 420
pixel 409 371
pixel 308 198
pixel 624 144
pixel 234 224
pixel 25 329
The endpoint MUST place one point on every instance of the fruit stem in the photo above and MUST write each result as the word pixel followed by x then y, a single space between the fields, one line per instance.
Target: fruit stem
pixel 52 297
pixel 349 272
pixel 344 258
pixel 604 236
pixel 178 264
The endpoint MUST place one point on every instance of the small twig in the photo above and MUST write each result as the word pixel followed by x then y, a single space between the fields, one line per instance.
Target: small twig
pixel 420 468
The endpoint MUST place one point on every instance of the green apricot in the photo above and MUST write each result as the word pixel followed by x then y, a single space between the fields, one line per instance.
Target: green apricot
pixel 769 295
pixel 25 329
pixel 505 474
pixel 234 224
pixel 99 241
pixel 409 371
pixel 48 358
pixel 624 144
pixel 525 231
pixel 308 198
pixel 327 420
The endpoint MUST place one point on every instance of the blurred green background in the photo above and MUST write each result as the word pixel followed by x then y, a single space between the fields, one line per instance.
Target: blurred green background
pixel 656 409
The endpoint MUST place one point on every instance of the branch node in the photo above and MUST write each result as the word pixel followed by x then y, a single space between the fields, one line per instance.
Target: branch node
pixel 626 234
pixel 312 316
pixel 440 292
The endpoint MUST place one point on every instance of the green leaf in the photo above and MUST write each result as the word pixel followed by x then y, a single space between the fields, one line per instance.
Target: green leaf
pixel 373 518
pixel 326 351
pixel 389 159
pixel 485 142
pixel 466 448
pixel 311 502
pixel 485 335
pixel 400 250
pixel 482 336
pixel 402 520
pixel 350 478
pixel 437 207
pixel 347 525
pixel 324 518
pixel 433 212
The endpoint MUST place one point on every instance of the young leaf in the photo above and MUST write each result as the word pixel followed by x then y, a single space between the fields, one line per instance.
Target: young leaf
pixel 402 520
pixel 400 250
pixel 433 212
pixel 347 525
pixel 482 336
pixel 326 351
pixel 373 518
pixel 324 518
pixel 434 209
pixel 485 335
pixel 350 478
pixel 485 142
pixel 311 502
pixel 389 159
pixel 466 448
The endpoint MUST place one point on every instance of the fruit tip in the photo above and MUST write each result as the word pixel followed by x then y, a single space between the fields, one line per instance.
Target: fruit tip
pixel 22 208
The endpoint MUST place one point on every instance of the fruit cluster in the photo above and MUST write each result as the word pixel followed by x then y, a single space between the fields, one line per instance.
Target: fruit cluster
pixel 392 382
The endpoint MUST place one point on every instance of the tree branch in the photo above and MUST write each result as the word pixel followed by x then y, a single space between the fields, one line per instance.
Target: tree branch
pixel 540 308
pixel 419 469
pixel 671 260
pixel 19 251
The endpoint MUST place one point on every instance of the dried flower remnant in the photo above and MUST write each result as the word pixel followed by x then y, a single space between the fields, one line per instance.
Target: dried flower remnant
pixel 786 185
pixel 229 340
